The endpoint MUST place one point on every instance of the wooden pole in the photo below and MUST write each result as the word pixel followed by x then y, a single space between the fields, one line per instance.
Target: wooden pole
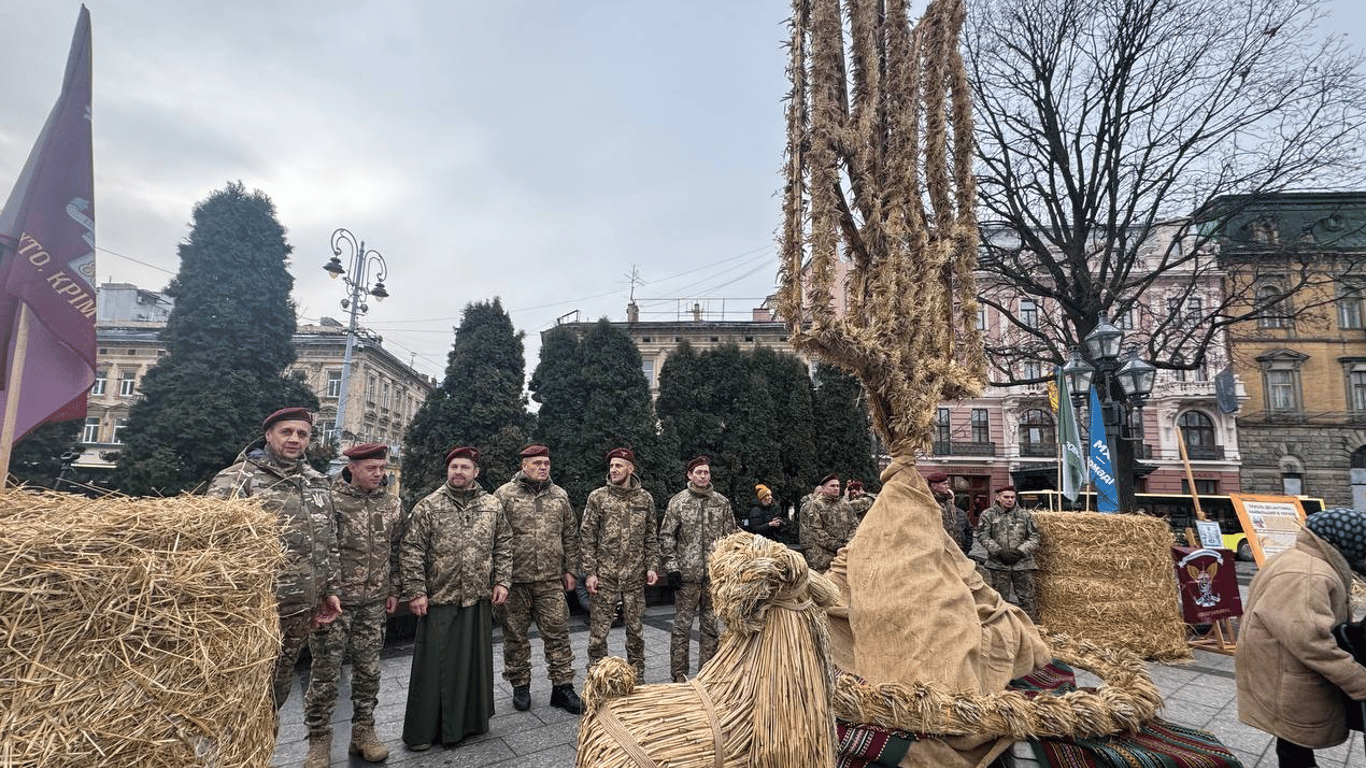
pixel 16 375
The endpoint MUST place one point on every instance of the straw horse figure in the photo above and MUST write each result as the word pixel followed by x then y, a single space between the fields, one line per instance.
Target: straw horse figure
pixel 763 700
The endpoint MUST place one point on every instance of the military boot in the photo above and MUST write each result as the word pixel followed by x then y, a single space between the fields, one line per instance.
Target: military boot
pixel 521 697
pixel 563 696
pixel 319 749
pixel 366 744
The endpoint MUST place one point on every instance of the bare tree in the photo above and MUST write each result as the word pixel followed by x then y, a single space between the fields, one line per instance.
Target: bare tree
pixel 1115 138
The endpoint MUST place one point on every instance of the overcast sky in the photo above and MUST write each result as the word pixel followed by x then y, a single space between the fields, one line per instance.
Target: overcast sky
pixel 529 149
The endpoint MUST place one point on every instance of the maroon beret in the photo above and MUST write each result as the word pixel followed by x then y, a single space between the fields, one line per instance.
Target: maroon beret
pixel 937 477
pixel 533 451
pixel 699 461
pixel 1005 488
pixel 622 453
pixel 854 485
pixel 463 452
pixel 367 451
pixel 828 478
pixel 288 414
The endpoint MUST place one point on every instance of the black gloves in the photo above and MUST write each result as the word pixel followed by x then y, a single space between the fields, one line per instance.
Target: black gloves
pixel 675 580
pixel 1010 556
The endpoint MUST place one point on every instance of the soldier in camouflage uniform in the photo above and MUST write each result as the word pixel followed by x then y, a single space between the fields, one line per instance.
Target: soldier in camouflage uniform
pixel 1009 535
pixel 367 534
pixel 859 500
pixel 545 546
pixel 695 518
pixel 306 588
pixel 620 556
pixel 828 523
pixel 954 519
pixel 455 558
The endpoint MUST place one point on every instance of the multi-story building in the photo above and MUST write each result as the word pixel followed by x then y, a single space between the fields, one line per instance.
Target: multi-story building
pixel 384 392
pixel 1302 426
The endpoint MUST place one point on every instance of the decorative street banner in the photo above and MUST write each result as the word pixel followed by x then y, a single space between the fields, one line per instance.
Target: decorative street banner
pixel 1102 472
pixel 1073 465
pixel 1208 582
pixel 1271 523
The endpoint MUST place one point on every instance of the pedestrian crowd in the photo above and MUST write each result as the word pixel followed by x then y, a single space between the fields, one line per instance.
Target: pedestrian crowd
pixel 463 558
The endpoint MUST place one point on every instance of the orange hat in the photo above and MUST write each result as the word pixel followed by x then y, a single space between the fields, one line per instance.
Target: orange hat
pixel 762 492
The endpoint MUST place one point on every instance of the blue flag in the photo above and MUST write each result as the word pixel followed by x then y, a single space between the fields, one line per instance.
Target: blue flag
pixel 1102 471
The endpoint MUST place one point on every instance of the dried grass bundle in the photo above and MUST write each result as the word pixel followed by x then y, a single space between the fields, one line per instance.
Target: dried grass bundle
pixel 136 631
pixel 1109 579
pixel 763 700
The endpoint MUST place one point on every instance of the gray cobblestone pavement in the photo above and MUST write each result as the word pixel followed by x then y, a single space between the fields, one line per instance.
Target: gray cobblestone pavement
pixel 1200 694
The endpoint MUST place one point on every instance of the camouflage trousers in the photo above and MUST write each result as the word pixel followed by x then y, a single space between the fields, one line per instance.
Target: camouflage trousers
pixel 691 599
pixel 358 634
pixel 1021 583
pixel 544 601
pixel 294 630
pixel 602 610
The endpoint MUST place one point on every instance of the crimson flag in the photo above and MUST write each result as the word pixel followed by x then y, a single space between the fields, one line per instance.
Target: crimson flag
pixel 47 255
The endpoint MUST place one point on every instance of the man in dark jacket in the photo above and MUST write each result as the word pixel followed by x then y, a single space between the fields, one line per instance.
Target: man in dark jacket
pixel 764 517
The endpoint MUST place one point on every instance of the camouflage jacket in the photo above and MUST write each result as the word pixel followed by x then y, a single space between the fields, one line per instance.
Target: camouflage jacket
pixel 826 525
pixel 998 529
pixel 456 547
pixel 862 504
pixel 955 522
pixel 545 540
pixel 618 535
pixel 693 521
pixel 367 535
pixel 302 502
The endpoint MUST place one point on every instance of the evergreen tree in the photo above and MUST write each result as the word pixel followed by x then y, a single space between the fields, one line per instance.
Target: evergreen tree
pixel 843 429
pixel 790 382
pixel 37 459
pixel 480 403
pixel 228 346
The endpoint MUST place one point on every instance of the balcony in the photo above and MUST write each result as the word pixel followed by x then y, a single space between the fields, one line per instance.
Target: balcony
pixel 1205 452
pixel 1039 450
pixel 964 449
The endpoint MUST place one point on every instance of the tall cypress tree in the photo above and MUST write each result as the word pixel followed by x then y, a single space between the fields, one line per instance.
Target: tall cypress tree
pixel 228 343
pixel 480 403
pixel 843 430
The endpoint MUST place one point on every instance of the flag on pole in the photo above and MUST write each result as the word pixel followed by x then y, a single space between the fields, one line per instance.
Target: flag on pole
pixel 47 256
pixel 1102 473
pixel 1073 463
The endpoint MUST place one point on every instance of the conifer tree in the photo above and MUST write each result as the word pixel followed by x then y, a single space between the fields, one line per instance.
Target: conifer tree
pixel 37 458
pixel 844 435
pixel 480 403
pixel 228 347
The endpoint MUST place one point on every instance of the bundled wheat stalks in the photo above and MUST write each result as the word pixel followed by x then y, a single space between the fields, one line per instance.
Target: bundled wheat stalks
pixel 1109 579
pixel 136 631
pixel 763 700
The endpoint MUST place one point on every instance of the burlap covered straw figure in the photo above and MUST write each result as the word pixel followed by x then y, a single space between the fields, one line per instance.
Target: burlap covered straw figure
pixel 763 701
pixel 879 173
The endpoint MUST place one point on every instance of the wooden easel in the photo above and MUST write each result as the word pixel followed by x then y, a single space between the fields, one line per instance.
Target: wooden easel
pixel 1222 637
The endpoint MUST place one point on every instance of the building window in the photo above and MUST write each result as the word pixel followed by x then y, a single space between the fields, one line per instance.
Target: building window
pixel 1179 374
pixel 1356 386
pixel 1197 429
pixel 1349 307
pixel 981 318
pixel 647 367
pixel 1273 311
pixel 1124 320
pixel 1037 435
pixel 1029 313
pixel 1032 369
pixel 384 402
pixel 91 433
pixel 981 430
pixel 117 437
pixel 370 390
pixel 128 383
pixel 333 384
pixel 1202 487
pixel 942 425
pixel 327 430
pixel 101 381
pixel 1281 381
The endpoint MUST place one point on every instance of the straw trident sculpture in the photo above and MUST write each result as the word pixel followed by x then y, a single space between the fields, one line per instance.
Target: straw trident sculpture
pixel 879 172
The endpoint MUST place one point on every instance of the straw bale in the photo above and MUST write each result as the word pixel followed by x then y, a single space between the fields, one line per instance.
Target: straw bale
pixel 136 631
pixel 1109 579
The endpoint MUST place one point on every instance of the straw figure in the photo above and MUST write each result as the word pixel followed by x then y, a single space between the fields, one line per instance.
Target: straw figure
pixel 764 699
pixel 879 175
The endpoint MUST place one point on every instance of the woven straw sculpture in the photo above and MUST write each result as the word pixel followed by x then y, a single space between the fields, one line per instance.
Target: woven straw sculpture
pixel 763 700
pixel 136 631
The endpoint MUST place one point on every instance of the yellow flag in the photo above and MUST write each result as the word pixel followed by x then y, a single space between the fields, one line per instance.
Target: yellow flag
pixel 1053 395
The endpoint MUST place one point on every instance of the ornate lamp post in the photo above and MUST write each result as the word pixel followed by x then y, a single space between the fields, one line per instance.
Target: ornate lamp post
pixel 364 264
pixel 1123 389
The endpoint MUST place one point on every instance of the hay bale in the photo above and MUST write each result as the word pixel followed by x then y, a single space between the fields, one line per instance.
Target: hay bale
pixel 1109 579
pixel 136 631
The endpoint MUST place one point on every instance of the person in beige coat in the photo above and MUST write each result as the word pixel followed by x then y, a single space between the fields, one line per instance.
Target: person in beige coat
pixel 1291 673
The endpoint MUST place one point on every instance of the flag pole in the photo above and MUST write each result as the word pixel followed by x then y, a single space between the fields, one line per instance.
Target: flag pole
pixel 12 385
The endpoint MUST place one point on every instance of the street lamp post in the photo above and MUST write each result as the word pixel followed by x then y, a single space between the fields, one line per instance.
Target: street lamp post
pixel 1123 389
pixel 363 263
